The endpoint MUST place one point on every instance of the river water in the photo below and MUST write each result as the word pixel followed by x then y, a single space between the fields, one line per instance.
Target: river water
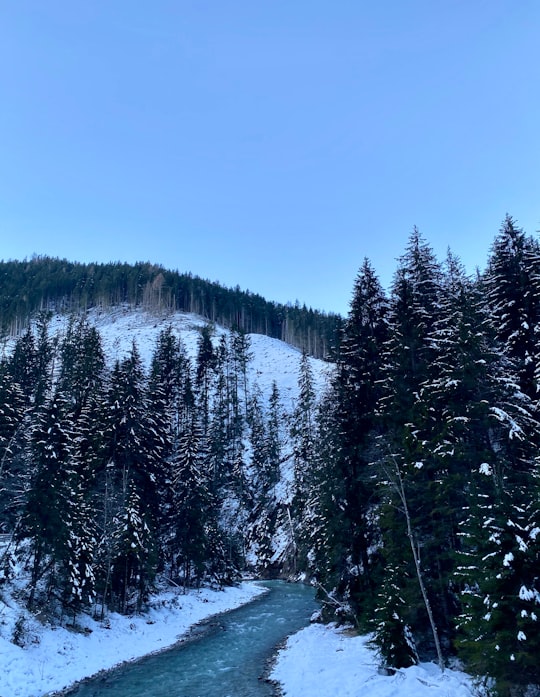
pixel 226 660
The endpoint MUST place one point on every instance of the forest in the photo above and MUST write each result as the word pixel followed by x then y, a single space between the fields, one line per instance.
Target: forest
pixel 414 502
pixel 46 283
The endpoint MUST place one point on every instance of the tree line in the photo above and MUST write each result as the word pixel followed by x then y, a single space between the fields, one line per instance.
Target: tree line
pixel 46 283
pixel 422 506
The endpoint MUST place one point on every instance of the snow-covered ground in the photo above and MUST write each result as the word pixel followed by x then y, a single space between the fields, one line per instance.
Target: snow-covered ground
pixel 54 657
pixel 272 359
pixel 324 661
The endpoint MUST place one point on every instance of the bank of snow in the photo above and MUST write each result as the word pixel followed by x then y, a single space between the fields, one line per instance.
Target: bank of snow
pixel 323 661
pixel 55 658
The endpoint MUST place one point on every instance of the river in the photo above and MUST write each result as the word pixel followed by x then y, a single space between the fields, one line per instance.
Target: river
pixel 226 660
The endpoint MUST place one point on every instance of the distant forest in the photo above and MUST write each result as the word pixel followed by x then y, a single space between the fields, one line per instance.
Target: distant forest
pixel 46 283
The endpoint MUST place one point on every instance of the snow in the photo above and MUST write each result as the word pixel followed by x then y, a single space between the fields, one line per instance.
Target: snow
pixel 324 661
pixel 56 657
pixel 272 359
pixel 485 468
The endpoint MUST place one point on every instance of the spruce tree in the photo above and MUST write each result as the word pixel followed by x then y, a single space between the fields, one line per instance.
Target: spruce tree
pixel 348 425
pixel 131 474
pixel 47 506
pixel 407 470
pixel 191 510
pixel 511 283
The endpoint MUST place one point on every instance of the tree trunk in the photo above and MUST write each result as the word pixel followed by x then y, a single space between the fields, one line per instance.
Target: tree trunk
pixel 419 575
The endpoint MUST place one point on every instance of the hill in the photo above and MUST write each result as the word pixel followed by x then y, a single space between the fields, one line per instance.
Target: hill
pixel 58 285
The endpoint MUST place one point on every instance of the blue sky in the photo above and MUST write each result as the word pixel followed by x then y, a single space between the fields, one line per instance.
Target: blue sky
pixel 268 144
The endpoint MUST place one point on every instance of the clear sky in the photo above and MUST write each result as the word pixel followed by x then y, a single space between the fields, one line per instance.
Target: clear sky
pixel 267 143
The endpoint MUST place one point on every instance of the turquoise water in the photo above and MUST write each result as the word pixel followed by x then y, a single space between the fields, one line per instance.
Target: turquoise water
pixel 227 660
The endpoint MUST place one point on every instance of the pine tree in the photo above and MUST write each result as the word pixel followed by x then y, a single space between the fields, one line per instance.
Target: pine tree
pixel 22 365
pixel 47 500
pixel 205 364
pixel 501 595
pixel 407 469
pixel 134 552
pixel 191 506
pixel 131 474
pixel 303 433
pixel 274 435
pixel 511 283
pixel 12 438
pixel 347 425
pixel 82 366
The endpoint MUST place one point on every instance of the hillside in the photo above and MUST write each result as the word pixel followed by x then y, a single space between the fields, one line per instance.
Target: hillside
pixel 58 285
pixel 246 377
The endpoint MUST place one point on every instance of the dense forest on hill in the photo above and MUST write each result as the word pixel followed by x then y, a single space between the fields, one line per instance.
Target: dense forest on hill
pixel 45 283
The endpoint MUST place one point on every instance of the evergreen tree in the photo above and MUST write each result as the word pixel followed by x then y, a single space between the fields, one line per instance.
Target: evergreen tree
pixel 501 594
pixel 131 476
pixel 134 552
pixel 303 432
pixel 191 506
pixel 12 438
pixel 47 509
pixel 22 365
pixel 512 285
pixel 82 366
pixel 348 425
pixel 205 364
pixel 407 469
pixel 274 435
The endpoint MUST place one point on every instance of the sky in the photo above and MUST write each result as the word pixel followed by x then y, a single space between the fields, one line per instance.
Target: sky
pixel 271 145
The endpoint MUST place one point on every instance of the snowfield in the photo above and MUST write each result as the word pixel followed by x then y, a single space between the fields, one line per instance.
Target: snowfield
pixel 322 661
pixel 272 359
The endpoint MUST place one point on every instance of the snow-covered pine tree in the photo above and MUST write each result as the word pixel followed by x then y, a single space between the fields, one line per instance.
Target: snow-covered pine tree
pixel 82 364
pixel 458 392
pixel 498 628
pixel 241 355
pixel 12 440
pixel 303 432
pixel 392 636
pixel 406 469
pixel 347 426
pixel 133 563
pixel 131 464
pixel 512 285
pixel 261 474
pixel 205 366
pixel 22 365
pixel 168 380
pixel 44 356
pixel 48 498
pixel 274 433
pixel 192 507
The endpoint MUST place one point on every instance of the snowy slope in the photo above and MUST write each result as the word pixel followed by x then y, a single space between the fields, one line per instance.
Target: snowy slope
pixel 272 359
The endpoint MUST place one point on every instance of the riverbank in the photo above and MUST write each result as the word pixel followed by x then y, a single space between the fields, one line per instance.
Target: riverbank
pixel 54 658
pixel 322 661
